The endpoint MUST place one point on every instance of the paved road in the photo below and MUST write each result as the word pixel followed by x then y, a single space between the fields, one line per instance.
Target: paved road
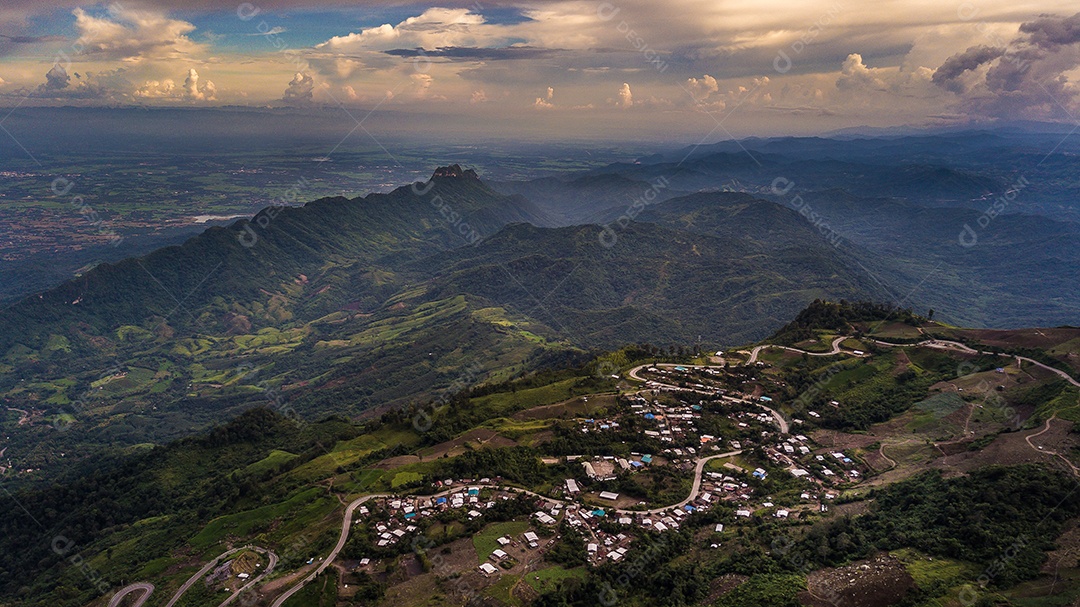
pixel 633 373
pixel 206 569
pixel 694 491
pixel 346 523
pixel 148 588
pixel 273 559
pixel 835 350
pixel 200 574
pixel 955 345
pixel 145 588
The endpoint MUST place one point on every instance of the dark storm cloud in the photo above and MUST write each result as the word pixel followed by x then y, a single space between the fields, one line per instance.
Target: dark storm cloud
pixel 59 85
pixel 56 79
pixel 1051 31
pixel 301 90
pixel 958 64
pixel 463 53
pixel 1027 78
pixel 31 39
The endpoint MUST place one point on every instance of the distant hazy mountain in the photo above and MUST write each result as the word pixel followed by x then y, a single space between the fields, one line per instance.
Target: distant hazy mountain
pixel 350 305
pixel 346 305
pixel 590 198
pixel 254 257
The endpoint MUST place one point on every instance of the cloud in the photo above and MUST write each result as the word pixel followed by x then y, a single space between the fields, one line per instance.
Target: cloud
pixel 56 79
pixel 274 31
pixel 948 75
pixel 701 89
pixel 153 89
pixel 109 86
pixel 434 28
pixel 32 39
pixel 301 90
pixel 1026 78
pixel 626 98
pixel 544 103
pixel 131 35
pixel 478 97
pixel 423 83
pixel 472 53
pixel 855 75
pixel 1051 32
pixel 193 92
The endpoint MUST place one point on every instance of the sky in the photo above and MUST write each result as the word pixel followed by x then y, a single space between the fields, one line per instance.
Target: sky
pixel 565 68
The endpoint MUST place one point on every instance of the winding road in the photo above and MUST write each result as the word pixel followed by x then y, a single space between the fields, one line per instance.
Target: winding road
pixel 694 491
pixel 1046 428
pixel 147 589
pixel 957 346
pixel 255 580
pixel 633 373
pixel 346 524
pixel 835 350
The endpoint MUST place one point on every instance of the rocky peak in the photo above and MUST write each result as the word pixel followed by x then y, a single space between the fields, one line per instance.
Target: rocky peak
pixel 455 171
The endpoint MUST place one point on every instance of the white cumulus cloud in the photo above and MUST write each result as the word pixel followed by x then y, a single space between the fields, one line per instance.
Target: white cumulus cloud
pixel 134 35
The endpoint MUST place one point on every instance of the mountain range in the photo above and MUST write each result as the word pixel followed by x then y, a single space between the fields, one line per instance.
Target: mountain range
pixel 354 305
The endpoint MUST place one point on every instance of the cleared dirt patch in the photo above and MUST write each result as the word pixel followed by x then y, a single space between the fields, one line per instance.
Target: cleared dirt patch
pixel 1063 342
pixel 1022 338
pixel 878 582
pixel 878 460
pixel 835 440
pixel 723 585
pixel 1066 554
pixel 1011 448
pixel 396 462
pixel 480 437
pixel 581 406
pixel 440 586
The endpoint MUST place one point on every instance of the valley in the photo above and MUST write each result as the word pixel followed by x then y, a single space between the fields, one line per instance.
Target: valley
pixel 610 382
pixel 736 461
pixel 324 303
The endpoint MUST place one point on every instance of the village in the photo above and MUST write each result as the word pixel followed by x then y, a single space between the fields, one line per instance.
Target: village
pixel 700 431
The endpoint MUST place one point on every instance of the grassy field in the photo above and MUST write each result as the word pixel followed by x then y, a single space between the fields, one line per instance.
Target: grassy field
pixel 929 572
pixel 547 579
pixel 320 593
pixel 405 478
pixel 485 540
pixel 366 479
pixel 891 329
pixel 301 509
pixel 348 452
pixel 503 590
pixel 582 406
pixel 765 589
pixel 271 463
pixel 503 403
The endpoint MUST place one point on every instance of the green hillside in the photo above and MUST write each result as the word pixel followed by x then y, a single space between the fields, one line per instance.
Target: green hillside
pixel 348 306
